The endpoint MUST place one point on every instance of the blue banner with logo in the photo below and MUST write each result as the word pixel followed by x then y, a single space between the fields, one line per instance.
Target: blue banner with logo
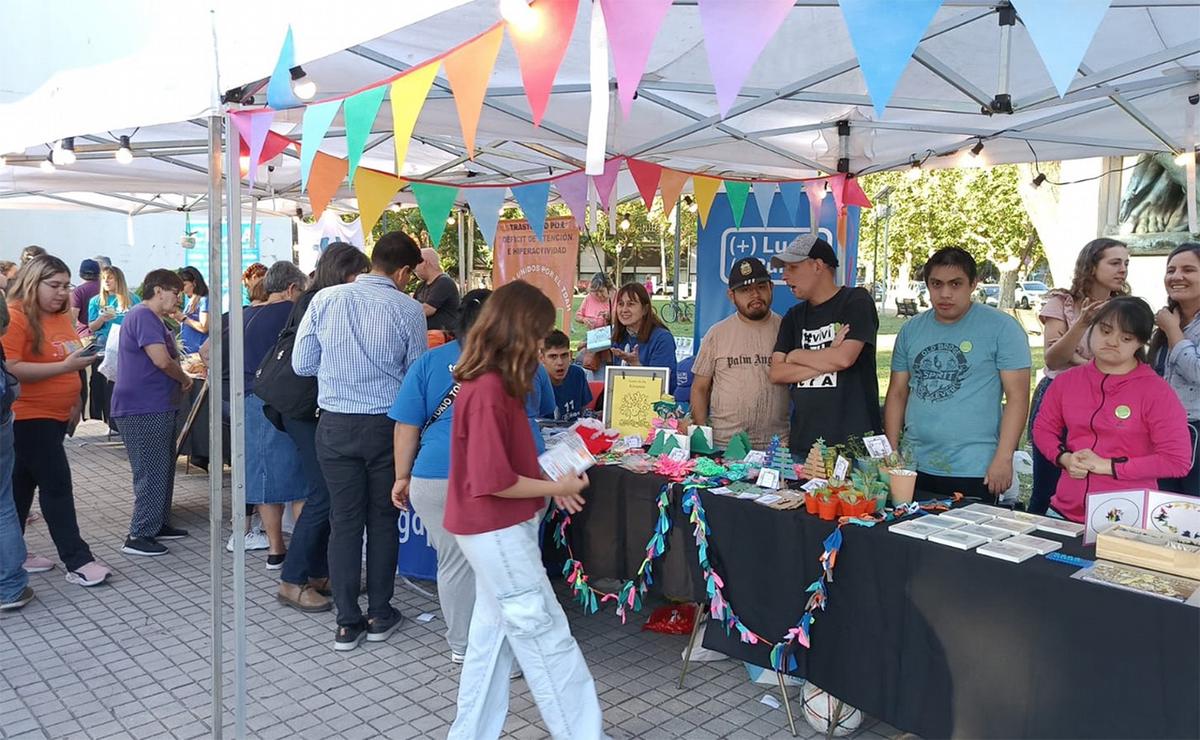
pixel 720 244
pixel 417 557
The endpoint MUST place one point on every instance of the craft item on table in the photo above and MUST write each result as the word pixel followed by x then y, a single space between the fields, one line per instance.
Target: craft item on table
pixel 1060 526
pixel 665 442
pixel 1173 513
pixel 676 470
pixel 1007 551
pixel 1170 513
pixel 814 484
pixel 637 462
pixel 629 397
pixel 1143 581
pixel 1110 508
pixel 1015 526
pixel 1041 544
pixel 871 487
pixel 737 471
pixel 599 339
pixel 970 517
pixel 989 533
pixel 1146 548
pixel 598 439
pixel 701 440
pixel 957 538
pixel 877 446
pixel 916 528
pixel 738 447
pixel 678 454
pixel 814 464
pixel 630 442
pixel 755 458
pixel 723 491
pixel 941 522
pixel 767 499
pixel 567 457
pixel 709 469
pixel 841 468
pixel 1078 562
pixel 768 478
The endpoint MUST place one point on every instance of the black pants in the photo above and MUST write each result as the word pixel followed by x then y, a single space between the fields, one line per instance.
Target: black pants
pixel 98 394
pixel 308 550
pixel 355 452
pixel 943 486
pixel 42 466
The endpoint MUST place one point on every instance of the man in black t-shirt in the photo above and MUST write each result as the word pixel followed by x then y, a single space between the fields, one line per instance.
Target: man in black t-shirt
pixel 438 293
pixel 825 351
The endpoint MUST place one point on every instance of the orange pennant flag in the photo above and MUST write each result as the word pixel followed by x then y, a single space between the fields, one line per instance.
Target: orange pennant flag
pixel 670 185
pixel 324 179
pixel 408 96
pixel 705 189
pixel 468 71
pixel 374 191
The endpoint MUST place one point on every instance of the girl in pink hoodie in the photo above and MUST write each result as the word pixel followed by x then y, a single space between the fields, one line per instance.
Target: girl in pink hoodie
pixel 1112 424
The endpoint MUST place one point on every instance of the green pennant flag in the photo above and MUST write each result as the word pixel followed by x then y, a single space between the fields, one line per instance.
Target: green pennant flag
pixel 359 112
pixel 737 192
pixel 435 202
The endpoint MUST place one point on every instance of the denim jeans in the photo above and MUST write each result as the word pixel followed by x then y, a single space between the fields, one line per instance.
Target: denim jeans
pixel 308 551
pixel 518 615
pixel 1045 472
pixel 456 582
pixel 13 578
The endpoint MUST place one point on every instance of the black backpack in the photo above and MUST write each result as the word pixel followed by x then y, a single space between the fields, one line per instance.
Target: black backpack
pixel 277 384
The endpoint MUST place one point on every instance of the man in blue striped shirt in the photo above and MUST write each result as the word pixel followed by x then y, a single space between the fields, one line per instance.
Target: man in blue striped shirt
pixel 359 339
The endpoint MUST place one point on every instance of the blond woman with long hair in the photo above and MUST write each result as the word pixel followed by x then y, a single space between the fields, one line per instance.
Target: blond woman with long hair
pixel 106 310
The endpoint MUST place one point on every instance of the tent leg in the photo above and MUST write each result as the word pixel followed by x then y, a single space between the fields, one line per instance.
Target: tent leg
pixel 697 622
pixel 787 703
pixel 215 432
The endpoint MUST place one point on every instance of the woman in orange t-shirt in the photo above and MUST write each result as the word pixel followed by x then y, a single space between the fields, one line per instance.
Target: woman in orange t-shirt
pixel 44 353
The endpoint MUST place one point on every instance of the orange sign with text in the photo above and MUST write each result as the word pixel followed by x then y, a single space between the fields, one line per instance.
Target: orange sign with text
pixel 549 264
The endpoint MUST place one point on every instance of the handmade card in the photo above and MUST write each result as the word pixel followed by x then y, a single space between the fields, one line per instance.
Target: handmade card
pixel 629 397
pixel 599 338
pixel 1169 513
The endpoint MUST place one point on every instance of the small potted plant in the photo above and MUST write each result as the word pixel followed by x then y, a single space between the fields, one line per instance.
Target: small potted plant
pixel 874 490
pixel 827 504
pixel 901 474
pixel 812 501
pixel 851 501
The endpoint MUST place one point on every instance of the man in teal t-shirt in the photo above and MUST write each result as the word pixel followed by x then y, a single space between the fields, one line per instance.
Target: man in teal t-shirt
pixel 951 368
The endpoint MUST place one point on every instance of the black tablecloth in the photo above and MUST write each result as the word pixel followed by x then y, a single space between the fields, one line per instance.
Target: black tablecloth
pixel 196 446
pixel 947 643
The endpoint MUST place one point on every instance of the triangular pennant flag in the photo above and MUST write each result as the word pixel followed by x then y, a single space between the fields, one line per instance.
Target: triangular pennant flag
pixel 1062 31
pixel 326 177
pixel 541 43
pixel 790 193
pixel 764 193
pixel 435 202
pixel 606 183
pixel 632 26
pixel 737 192
pixel 408 97
pixel 815 190
pixel 279 87
pixel 705 189
pixel 885 34
pixel 836 185
pixel 485 207
pixel 359 113
pixel 253 126
pixel 273 146
pixel 573 189
pixel 468 70
pixel 374 191
pixel 532 198
pixel 735 33
pixel 853 195
pixel 316 122
pixel 646 176
pixel 670 185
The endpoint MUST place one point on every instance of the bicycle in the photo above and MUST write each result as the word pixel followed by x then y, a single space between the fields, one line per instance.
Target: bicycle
pixel 676 311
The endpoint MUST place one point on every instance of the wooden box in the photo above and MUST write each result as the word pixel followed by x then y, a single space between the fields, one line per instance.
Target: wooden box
pixel 1165 553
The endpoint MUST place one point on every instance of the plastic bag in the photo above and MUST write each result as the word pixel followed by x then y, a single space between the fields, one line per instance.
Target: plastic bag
pixel 672 619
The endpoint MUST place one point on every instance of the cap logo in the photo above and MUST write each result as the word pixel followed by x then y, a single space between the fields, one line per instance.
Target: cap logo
pixel 745 269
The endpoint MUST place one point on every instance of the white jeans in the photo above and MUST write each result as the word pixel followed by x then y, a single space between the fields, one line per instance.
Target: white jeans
pixel 517 614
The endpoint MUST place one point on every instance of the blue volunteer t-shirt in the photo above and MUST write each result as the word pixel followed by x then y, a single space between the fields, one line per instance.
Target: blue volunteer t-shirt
pixel 954 389
pixel 657 351
pixel 540 404
pixel 571 395
pixel 425 385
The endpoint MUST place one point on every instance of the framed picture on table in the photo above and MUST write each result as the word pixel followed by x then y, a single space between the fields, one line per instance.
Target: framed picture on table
pixel 629 397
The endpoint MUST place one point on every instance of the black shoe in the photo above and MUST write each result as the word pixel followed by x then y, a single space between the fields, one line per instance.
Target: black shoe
pixel 349 636
pixel 275 562
pixel 22 599
pixel 145 546
pixel 171 533
pixel 380 628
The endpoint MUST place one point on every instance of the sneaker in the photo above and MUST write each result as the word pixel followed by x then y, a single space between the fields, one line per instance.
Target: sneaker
pixel 90 574
pixel 145 546
pixel 381 628
pixel 24 598
pixel 458 658
pixel 349 636
pixel 170 533
pixel 256 539
pixel 275 562
pixel 38 564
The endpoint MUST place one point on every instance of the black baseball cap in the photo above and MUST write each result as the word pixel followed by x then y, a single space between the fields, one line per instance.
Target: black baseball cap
pixel 806 247
pixel 748 271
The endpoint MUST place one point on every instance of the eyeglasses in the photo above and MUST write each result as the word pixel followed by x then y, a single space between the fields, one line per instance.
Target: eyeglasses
pixel 55 285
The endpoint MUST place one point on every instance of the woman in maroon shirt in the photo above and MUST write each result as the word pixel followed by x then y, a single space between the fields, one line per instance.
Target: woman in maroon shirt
pixel 496 495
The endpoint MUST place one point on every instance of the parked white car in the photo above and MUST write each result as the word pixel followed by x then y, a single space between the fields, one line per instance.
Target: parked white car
pixel 1030 294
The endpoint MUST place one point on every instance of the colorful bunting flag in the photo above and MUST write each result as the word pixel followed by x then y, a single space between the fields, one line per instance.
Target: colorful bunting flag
pixel 327 175
pixel 764 193
pixel 374 191
pixel 632 26
pixel 670 185
pixel 279 87
pixel 815 190
pixel 1062 31
pixel 317 119
pixel 837 184
pixel 408 97
pixel 735 34
pixel 541 44
pixel 606 183
pixel 485 207
pixel 253 127
pixel 533 198
pixel 646 176
pixel 359 113
pixel 885 34
pixel 853 195
pixel 737 192
pixel 791 193
pixel 273 146
pixel 435 202
pixel 573 189
pixel 705 190
pixel 468 70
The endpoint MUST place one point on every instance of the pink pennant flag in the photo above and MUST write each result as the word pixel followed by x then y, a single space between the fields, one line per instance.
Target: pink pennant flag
pixel 606 183
pixel 541 44
pixel 253 126
pixel 735 34
pixel 815 190
pixel 632 26
pixel 837 185
pixel 573 189
pixel 853 195
pixel 646 176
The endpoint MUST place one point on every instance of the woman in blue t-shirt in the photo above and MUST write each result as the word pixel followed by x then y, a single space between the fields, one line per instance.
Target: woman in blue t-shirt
pixel 639 336
pixel 106 310
pixel 193 317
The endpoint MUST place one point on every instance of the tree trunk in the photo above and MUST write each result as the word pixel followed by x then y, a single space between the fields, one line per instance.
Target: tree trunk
pixel 1008 275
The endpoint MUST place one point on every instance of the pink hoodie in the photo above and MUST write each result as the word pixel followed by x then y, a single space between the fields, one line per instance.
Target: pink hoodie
pixel 1135 418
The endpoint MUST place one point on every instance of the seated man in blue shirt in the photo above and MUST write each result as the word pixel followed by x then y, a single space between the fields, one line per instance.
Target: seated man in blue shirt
pixel 571 390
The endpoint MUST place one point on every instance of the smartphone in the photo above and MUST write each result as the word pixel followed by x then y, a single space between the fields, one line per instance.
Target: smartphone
pixel 91 349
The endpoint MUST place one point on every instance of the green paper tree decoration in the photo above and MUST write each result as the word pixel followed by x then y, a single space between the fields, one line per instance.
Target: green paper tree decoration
pixel 738 447
pixel 700 443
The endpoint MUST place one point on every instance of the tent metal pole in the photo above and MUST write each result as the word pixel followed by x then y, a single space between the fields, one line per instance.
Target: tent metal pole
pixel 216 469
pixel 237 417
pixel 254 222
pixel 470 258
pixel 462 217
pixel 678 221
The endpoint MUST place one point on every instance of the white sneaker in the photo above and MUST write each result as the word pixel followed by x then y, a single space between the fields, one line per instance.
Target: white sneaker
pixel 256 539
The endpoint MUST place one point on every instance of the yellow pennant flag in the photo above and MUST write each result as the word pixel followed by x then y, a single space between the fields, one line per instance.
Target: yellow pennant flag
pixel 408 96
pixel 468 70
pixel 374 191
pixel 705 189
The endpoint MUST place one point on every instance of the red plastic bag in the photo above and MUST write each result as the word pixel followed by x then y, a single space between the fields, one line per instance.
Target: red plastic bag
pixel 672 619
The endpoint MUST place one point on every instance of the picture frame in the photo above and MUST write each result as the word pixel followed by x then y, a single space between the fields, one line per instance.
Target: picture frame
pixel 627 396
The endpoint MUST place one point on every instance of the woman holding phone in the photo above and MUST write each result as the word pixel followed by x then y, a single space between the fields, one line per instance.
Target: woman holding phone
pixel 106 310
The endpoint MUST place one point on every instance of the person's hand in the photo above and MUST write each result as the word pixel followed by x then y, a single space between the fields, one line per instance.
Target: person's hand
pixel 570 497
pixel 1093 462
pixel 78 360
pixel 841 335
pixel 1073 463
pixel 1169 320
pixel 631 358
pixel 1089 309
pixel 400 493
pixel 185 385
pixel 999 475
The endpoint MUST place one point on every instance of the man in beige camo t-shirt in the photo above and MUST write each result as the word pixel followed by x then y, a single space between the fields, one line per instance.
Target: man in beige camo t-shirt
pixel 731 388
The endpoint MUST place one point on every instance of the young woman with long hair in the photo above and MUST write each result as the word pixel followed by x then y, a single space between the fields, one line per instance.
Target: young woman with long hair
pixel 106 310
pixel 1175 349
pixel 495 498
pixel 1100 271
pixel 639 336
pixel 1112 424
pixel 193 317
pixel 44 354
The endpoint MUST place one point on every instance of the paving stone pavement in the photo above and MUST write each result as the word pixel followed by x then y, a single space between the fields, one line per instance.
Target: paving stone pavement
pixel 130 659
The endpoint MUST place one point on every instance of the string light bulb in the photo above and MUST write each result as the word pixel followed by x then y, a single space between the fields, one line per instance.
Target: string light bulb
pixel 625 224
pixel 914 170
pixel 124 154
pixel 63 153
pixel 1184 157
pixel 691 203
pixel 395 208
pixel 302 84
pixel 518 14
pixel 977 149
pixel 1037 181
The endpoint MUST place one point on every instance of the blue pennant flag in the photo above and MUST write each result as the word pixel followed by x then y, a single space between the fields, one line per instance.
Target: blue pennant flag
pixel 885 33
pixel 279 87
pixel 1062 31
pixel 533 198
pixel 485 207
pixel 791 193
